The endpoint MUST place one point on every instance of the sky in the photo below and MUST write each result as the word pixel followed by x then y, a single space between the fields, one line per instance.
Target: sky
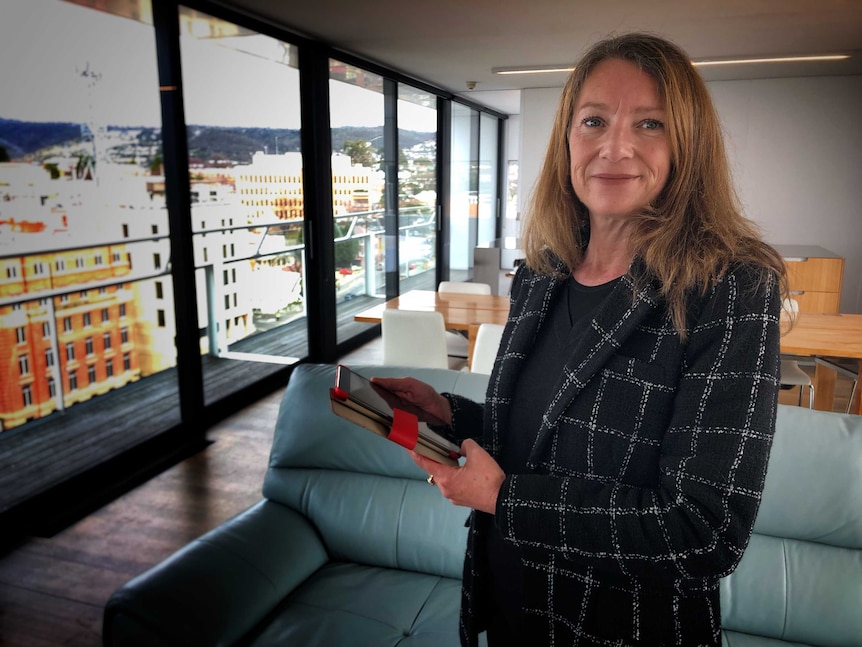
pixel 46 63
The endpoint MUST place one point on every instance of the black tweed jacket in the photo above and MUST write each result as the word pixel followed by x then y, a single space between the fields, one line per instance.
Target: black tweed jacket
pixel 645 478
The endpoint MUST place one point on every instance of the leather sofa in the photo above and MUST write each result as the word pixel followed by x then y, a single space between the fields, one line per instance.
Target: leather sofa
pixel 350 546
pixel 800 579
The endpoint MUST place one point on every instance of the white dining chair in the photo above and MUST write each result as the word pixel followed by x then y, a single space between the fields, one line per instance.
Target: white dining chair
pixel 464 287
pixel 792 375
pixel 457 344
pixel 414 338
pixel 486 347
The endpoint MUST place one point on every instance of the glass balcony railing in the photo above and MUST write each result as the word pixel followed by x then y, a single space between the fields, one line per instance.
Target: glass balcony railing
pixel 89 363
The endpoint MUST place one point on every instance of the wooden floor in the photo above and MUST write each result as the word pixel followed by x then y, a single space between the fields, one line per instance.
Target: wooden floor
pixel 53 590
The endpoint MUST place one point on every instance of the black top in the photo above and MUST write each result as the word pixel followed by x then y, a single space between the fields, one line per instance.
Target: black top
pixel 569 316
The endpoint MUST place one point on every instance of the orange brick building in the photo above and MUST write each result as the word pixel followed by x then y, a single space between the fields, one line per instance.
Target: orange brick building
pixel 60 349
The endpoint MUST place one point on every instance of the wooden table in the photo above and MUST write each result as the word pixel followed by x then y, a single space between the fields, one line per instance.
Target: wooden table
pixel 460 311
pixel 826 335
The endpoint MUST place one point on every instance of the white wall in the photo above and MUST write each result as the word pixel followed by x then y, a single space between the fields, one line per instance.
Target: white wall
pixel 795 146
pixel 537 117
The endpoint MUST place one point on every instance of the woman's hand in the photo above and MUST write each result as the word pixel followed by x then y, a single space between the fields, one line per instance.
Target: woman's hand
pixel 428 405
pixel 475 484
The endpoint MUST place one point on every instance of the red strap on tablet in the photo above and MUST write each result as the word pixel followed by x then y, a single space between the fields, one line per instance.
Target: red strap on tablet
pixel 405 428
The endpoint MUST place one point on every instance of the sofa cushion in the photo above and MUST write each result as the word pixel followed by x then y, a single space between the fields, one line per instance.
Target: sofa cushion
pixel 736 639
pixel 814 481
pixel 377 520
pixel 797 591
pixel 363 606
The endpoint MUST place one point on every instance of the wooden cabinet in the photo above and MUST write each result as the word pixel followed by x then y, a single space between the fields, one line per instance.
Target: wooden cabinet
pixel 815 276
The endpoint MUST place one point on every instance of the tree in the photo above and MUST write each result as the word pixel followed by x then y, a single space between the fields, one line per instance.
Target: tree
pixel 52 169
pixel 85 166
pixel 155 164
pixel 4 155
pixel 360 152
pixel 346 251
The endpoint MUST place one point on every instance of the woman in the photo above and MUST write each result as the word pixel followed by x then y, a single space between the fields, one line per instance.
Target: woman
pixel 616 466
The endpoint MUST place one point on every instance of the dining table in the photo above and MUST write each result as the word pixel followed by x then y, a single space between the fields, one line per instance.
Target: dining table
pixel 817 334
pixel 463 312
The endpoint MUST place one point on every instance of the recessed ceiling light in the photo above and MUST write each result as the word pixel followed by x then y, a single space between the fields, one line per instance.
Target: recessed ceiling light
pixel 772 59
pixel 538 69
pixel 550 69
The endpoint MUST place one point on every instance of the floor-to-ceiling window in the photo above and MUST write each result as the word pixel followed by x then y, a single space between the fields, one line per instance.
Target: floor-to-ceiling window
pixel 384 189
pixel 474 204
pixel 358 137
pixel 85 288
pixel 417 188
pixel 100 250
pixel 464 191
pixel 242 112
pixel 489 207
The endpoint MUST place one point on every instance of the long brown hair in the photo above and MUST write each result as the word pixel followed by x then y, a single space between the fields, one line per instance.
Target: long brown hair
pixel 695 230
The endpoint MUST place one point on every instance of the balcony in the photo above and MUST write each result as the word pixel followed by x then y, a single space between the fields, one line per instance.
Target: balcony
pixel 72 439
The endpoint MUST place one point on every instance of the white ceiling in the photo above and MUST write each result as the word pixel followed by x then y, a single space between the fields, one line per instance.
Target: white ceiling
pixel 448 43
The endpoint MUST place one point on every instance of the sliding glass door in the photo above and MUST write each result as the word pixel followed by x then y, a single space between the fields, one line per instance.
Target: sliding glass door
pixel 417 189
pixel 242 109
pixel 356 119
pixel 489 207
pixel 474 217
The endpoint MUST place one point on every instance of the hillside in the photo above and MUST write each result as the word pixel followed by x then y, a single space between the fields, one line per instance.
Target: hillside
pixel 25 141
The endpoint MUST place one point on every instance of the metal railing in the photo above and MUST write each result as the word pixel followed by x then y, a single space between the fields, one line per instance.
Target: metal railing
pixel 365 227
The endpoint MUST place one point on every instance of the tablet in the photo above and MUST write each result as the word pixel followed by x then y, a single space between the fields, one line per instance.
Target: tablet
pixel 360 391
pixel 350 385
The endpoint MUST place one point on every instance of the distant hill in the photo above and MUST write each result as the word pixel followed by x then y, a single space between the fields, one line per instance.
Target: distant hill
pixel 239 144
pixel 206 143
pixel 21 138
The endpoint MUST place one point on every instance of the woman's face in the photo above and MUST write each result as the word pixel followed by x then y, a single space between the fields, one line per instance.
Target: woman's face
pixel 620 155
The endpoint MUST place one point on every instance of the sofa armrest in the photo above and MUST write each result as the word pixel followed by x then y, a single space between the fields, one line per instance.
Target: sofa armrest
pixel 217 588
